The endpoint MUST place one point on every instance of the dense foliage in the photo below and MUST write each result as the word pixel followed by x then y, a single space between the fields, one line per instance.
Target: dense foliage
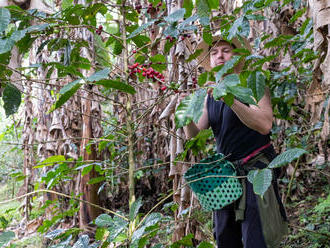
pixel 125 32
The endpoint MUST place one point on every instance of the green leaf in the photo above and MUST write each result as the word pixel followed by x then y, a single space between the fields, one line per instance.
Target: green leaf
pixel 118 47
pixel 5 237
pixel 97 76
pixel 11 98
pixel 87 169
pixel 96 180
pixel 234 28
pixel 140 41
pixel 244 28
pixel 286 157
pixel 194 55
pixel 99 234
pixel 54 234
pixel 171 31
pixel 37 28
pixel 117 229
pixel 51 161
pixel 185 241
pixel 158 58
pixel 6 45
pixel 134 209
pixel 226 67
pixel 220 88
pixel 261 180
pixel 214 4
pixel 198 143
pixel 188 5
pixel 168 46
pixel 82 242
pixel 103 220
pixel 159 67
pixel 207 36
pixel 118 85
pixel 205 244
pixel 256 17
pixel 66 92
pixel 66 4
pixel 242 93
pixel 278 41
pixel 175 16
pixel 203 12
pixel 17 35
pixel 257 82
pixel 298 14
pixel 202 78
pixel 140 29
pixel 190 108
pixel 4 19
pixel 152 219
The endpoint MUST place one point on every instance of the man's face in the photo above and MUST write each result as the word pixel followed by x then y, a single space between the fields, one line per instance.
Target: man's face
pixel 220 53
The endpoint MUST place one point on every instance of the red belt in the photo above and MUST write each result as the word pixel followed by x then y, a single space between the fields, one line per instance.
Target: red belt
pixel 251 155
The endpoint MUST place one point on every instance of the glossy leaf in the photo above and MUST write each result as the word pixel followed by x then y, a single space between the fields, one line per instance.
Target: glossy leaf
pixel 185 241
pixel 220 89
pixel 158 58
pixel 188 5
pixel 12 99
pixel 66 92
pixel 286 157
pixel 261 180
pixel 214 4
pixel 205 244
pixel 96 180
pixel 134 209
pixel 202 78
pixel 244 29
pixel 6 45
pixel 118 47
pixel 54 234
pixel 242 93
pixel 37 28
pixel 116 84
pixel 194 55
pixel 66 4
pixel 207 36
pixel 140 29
pixel 103 220
pixel 234 28
pixel 227 67
pixel 97 76
pixel 190 108
pixel 150 221
pixel 4 19
pixel 257 83
pixel 51 161
pixel 118 227
pixel 17 35
pixel 175 16
pixel 82 242
pixel 5 237
pixel 203 12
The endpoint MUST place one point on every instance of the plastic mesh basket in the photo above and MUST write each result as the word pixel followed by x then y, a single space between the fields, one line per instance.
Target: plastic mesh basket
pixel 213 191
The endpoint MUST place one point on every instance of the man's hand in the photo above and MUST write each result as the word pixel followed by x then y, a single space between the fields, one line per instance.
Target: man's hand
pixel 207 84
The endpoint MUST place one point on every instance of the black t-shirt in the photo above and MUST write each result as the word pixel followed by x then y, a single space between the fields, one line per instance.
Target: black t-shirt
pixel 232 136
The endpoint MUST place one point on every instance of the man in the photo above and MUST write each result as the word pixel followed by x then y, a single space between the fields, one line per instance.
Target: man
pixel 242 134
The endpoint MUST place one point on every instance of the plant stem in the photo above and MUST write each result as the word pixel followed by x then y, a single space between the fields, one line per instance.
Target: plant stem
pixel 129 121
pixel 291 181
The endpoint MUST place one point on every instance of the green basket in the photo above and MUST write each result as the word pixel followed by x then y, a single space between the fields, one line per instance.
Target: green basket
pixel 211 182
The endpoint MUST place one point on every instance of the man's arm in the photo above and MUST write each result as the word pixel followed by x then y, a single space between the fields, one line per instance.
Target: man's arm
pixel 258 118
